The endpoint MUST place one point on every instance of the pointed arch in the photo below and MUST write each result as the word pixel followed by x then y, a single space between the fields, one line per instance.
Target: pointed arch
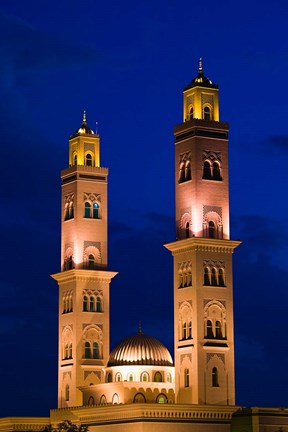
pixel 88 158
pixel 91 257
pixel 215 320
pixel 207 170
pixel 215 382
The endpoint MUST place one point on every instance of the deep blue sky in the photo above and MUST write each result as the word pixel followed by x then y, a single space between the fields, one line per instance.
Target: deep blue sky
pixel 126 63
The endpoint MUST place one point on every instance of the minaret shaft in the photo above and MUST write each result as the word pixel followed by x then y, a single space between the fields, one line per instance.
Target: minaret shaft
pixel 203 294
pixel 84 282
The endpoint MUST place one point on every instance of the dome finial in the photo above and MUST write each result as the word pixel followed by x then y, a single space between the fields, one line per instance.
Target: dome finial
pixel 84 116
pixel 200 65
pixel 139 327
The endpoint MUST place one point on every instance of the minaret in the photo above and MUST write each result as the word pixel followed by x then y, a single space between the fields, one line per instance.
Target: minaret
pixel 84 281
pixel 202 253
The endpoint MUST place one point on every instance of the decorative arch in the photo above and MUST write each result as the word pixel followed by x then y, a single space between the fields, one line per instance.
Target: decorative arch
pixel 161 398
pixel 139 398
pixel 158 377
pixel 191 112
pixel 216 370
pixel 92 342
pixel 215 320
pixel 103 400
pixel 144 377
pixel 212 225
pixel 207 112
pixel 88 158
pixel 118 377
pixel 91 401
pixel 185 321
pixel 115 399
pixel 74 158
pixel 67 338
pixel 68 259
pixel 207 170
pixel 185 225
pixel 92 257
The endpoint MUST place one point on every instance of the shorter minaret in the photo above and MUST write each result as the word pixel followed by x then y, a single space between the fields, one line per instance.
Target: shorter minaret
pixel 203 293
pixel 84 282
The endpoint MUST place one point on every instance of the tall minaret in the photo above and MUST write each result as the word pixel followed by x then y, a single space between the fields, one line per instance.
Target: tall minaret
pixel 203 295
pixel 84 281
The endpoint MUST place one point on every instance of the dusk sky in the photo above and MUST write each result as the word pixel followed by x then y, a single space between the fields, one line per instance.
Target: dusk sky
pixel 126 64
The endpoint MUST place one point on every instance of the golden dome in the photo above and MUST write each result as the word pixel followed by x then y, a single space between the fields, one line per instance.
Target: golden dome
pixel 140 350
pixel 201 80
pixel 84 129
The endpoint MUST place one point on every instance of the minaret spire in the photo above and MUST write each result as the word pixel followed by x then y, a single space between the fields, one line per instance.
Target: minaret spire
pixel 200 70
pixel 84 117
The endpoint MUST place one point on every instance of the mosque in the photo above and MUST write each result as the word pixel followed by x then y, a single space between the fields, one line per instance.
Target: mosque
pixel 136 386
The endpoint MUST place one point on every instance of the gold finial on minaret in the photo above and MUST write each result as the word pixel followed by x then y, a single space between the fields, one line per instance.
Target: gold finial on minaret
pixel 200 65
pixel 84 116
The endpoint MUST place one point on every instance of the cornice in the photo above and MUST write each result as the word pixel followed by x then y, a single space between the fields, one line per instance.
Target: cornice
pixel 105 414
pixel 23 423
pixel 84 275
pixel 202 244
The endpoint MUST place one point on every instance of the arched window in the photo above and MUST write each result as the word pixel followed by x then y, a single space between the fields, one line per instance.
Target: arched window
pixel 103 400
pixel 69 263
pixel 206 276
pixel 88 159
pixel 85 304
pixel 188 171
pixel 158 377
pixel 187 232
pixel 75 159
pixel 64 304
pixel 207 113
pixel 87 351
pixel 109 378
pixel 190 330
pixel 161 398
pixel 209 329
pixel 91 401
pixel 144 377
pixel 87 210
pixel 221 278
pixel 66 352
pixel 211 229
pixel 95 210
pixel 181 173
pixel 70 307
pixel 184 332
pixel 66 213
pixel 118 377
pixel 215 377
pixel 115 399
pixel 191 113
pixel 67 393
pixel 96 350
pixel 218 328
pixel 71 210
pixel 186 377
pixel 70 351
pixel 98 304
pixel 92 304
pixel 130 377
pixel 206 171
pixel 169 378
pixel 214 281
pixel 139 398
pixel 216 171
pixel 91 262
